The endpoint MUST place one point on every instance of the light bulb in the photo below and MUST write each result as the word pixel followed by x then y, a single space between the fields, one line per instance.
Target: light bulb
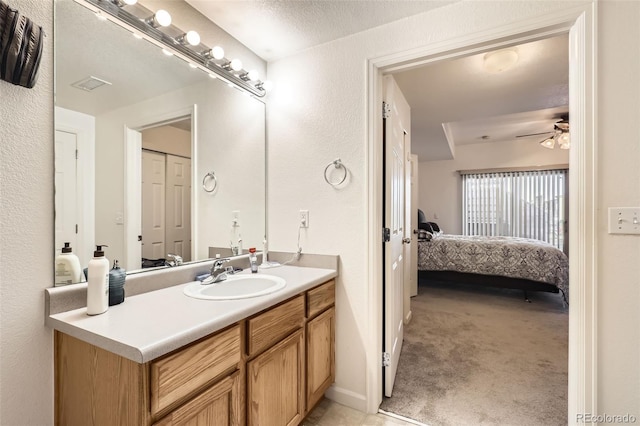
pixel 236 64
pixel 162 18
pixel 192 37
pixel 253 75
pixel 217 52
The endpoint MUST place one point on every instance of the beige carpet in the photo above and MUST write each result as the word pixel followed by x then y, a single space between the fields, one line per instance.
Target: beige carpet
pixel 475 356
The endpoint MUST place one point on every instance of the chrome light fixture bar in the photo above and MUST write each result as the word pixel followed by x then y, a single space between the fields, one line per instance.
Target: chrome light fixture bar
pixel 143 22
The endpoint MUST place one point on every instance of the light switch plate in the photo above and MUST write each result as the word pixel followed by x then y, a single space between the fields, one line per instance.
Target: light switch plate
pixel 624 220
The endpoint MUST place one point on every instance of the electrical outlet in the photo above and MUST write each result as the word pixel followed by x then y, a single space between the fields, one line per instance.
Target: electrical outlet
pixel 235 218
pixel 119 218
pixel 304 218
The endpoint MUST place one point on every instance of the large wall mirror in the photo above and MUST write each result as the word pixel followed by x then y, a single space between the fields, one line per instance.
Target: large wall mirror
pixel 152 156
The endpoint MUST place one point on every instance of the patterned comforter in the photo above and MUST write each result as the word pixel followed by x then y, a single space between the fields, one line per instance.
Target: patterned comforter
pixel 505 256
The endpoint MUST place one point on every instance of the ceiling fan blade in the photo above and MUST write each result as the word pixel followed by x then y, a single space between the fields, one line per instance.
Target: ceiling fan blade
pixel 533 134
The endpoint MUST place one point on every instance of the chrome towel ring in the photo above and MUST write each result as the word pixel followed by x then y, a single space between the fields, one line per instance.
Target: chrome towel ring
pixel 337 163
pixel 207 182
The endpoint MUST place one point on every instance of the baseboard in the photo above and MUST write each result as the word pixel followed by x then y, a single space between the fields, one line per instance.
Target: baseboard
pixel 347 397
pixel 407 319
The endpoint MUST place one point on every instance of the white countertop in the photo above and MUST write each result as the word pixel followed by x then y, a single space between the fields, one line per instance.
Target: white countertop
pixel 149 325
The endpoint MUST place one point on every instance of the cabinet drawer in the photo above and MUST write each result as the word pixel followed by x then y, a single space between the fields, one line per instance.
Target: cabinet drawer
pixel 184 372
pixel 320 298
pixel 218 405
pixel 269 327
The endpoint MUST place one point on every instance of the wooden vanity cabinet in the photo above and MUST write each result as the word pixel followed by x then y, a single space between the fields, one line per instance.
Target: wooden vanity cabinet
pixel 270 369
pixel 201 381
pixel 320 341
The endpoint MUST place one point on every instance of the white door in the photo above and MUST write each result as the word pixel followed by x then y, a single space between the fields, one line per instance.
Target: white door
pixel 178 207
pixel 66 190
pixel 412 215
pixel 394 218
pixel 153 205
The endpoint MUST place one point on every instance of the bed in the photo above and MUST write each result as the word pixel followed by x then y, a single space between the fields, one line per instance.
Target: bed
pixel 507 262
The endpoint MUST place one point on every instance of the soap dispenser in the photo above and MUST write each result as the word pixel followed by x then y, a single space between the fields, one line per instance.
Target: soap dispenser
pixel 117 276
pixel 67 267
pixel 98 283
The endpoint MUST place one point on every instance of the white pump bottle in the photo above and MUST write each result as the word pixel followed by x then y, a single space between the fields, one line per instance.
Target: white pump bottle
pixel 98 283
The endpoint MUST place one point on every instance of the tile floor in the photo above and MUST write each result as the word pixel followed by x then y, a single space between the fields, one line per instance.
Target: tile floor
pixel 329 413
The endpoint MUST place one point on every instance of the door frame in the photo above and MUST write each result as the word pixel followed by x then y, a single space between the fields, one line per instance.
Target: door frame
pixel 133 165
pixel 580 22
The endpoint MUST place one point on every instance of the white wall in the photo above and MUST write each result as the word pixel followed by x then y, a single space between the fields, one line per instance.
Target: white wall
pixel 440 192
pixel 318 112
pixel 26 237
pixel 618 160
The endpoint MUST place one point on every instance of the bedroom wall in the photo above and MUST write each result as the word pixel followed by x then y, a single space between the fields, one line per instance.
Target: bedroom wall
pixel 440 187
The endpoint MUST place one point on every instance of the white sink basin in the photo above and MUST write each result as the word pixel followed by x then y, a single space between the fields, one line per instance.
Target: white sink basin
pixel 236 287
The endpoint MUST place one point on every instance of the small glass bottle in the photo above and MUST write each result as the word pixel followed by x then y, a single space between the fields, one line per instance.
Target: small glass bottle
pixel 253 260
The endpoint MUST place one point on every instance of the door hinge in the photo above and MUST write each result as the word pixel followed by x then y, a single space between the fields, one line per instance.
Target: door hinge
pixel 76 228
pixel 386 235
pixel 386 359
pixel 76 154
pixel 386 110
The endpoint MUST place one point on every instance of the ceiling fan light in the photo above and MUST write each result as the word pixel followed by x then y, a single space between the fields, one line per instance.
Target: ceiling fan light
pixel 548 143
pixel 564 141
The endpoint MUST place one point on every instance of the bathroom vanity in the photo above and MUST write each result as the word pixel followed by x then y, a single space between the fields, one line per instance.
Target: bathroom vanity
pixel 162 358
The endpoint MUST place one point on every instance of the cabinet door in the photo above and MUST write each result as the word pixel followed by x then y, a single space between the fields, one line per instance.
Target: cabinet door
pixel 220 405
pixel 276 384
pixel 320 355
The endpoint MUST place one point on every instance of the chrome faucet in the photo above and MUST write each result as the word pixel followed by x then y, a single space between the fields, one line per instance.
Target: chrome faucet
pixel 218 273
pixel 175 260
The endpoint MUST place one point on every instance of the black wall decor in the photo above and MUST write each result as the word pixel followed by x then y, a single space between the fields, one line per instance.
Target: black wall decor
pixel 20 47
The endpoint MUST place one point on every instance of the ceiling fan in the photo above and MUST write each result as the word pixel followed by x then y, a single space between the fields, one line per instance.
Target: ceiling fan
pixel 559 134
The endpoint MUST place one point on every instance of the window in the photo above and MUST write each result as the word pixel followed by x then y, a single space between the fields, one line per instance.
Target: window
pixel 528 204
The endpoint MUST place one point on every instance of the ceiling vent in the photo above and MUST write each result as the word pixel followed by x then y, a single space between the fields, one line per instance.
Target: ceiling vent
pixel 90 83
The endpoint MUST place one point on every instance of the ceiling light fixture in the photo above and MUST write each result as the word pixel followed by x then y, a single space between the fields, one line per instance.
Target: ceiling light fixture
pixel 561 136
pixel 500 60
pixel 143 23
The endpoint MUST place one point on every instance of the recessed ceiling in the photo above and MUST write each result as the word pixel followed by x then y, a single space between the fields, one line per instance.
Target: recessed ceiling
pixel 456 102
pixel 275 29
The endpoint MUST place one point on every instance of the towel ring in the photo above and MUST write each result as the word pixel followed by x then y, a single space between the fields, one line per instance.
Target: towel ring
pixel 337 163
pixel 210 176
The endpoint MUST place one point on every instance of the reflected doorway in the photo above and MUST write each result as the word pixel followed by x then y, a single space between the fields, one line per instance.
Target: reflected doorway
pixel 166 193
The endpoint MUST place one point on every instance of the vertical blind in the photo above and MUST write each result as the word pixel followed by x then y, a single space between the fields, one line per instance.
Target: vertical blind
pixel 528 204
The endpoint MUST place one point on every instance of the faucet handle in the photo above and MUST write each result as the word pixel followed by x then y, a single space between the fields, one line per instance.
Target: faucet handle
pixel 217 264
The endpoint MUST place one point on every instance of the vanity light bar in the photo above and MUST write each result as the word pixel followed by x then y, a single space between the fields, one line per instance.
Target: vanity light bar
pixel 222 67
